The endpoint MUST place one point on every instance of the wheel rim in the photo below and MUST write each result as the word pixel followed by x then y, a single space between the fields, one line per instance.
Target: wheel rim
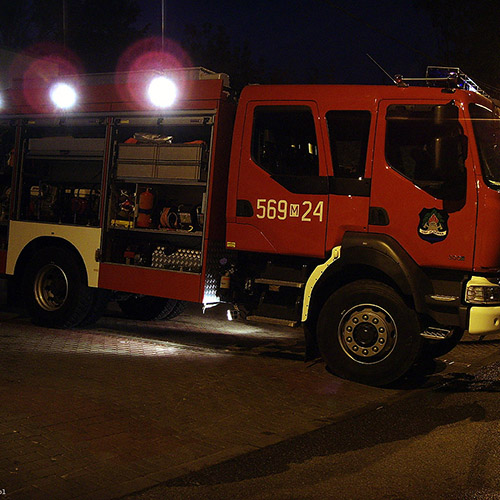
pixel 51 287
pixel 367 333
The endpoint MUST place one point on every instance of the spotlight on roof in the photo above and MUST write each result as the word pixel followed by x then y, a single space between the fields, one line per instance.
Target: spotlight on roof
pixel 162 92
pixel 63 95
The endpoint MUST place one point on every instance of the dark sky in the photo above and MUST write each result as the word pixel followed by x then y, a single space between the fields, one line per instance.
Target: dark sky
pixel 329 35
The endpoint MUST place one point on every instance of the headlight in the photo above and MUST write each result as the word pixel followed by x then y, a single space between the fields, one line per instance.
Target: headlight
pixel 482 291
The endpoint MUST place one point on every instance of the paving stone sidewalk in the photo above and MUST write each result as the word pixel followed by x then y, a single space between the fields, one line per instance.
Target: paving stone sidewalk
pixel 104 412
pixel 101 413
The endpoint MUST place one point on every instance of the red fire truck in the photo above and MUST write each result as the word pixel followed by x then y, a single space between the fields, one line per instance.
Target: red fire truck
pixel 365 213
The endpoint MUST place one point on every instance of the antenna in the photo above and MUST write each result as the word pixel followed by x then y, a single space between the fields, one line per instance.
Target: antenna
pixel 162 25
pixel 382 69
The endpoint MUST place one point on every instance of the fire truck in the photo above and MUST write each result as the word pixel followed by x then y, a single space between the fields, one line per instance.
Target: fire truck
pixel 366 214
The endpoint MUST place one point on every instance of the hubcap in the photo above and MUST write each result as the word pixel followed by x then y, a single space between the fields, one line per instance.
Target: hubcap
pixel 51 287
pixel 367 333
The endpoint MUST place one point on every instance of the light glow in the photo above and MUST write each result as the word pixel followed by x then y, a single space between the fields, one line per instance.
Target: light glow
pixel 162 92
pixel 63 95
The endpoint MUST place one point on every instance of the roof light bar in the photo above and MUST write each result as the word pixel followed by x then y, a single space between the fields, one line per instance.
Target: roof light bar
pixel 443 76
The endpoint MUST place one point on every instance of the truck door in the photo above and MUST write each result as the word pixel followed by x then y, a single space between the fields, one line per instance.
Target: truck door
pixel 430 212
pixel 350 141
pixel 282 192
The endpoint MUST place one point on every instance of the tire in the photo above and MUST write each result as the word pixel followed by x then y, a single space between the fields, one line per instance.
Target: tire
pixel 55 290
pixel 366 333
pixel 147 308
pixel 99 305
pixel 436 348
pixel 178 308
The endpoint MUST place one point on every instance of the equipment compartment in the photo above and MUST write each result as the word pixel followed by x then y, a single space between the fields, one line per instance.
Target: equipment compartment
pixel 165 161
pixel 158 192
pixel 61 173
pixel 156 225
pixel 65 146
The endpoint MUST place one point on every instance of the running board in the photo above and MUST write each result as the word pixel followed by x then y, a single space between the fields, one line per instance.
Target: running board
pixel 273 321
pixel 272 282
pixel 434 333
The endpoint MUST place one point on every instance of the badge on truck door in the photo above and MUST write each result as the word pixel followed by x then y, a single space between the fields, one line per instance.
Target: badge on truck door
pixel 433 226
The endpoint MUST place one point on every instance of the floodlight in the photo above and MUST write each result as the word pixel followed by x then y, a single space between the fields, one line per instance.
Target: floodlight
pixel 162 91
pixel 63 95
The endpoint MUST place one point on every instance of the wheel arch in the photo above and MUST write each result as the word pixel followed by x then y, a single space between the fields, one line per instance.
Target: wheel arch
pixel 366 256
pixel 46 241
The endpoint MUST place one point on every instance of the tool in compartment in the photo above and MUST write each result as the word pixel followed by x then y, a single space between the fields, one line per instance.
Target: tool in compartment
pixel 146 201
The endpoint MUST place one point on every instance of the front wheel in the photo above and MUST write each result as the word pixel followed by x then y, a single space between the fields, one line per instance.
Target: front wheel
pixel 54 289
pixel 368 334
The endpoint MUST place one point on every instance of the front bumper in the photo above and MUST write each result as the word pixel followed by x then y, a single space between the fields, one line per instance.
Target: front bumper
pixel 484 320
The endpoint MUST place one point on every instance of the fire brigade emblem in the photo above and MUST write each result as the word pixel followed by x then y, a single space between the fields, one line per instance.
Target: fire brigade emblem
pixel 433 226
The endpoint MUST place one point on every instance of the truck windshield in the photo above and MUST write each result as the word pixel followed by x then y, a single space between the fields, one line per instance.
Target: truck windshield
pixel 486 124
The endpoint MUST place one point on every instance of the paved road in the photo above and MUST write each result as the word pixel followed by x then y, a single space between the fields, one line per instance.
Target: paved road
pixel 440 444
pixel 103 412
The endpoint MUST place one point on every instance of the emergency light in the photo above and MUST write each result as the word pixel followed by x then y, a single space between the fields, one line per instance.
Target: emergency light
pixel 63 95
pixel 162 92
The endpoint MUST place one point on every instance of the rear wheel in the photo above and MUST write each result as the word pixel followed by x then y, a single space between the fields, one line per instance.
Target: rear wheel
pixel 99 304
pixel 54 289
pixel 368 334
pixel 147 308
pixel 179 307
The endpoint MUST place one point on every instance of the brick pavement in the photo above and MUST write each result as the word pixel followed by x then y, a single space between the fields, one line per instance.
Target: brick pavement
pixel 105 412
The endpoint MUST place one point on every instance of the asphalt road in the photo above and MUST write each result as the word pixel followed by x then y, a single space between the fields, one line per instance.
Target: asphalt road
pixel 438 444
pixel 202 408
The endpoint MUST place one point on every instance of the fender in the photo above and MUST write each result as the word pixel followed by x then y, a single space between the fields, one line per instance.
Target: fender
pixel 315 276
pixel 379 252
pixel 384 253
pixel 84 240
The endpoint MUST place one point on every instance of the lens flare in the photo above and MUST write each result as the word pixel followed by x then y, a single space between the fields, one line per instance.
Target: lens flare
pixel 39 65
pixel 63 95
pixel 141 61
pixel 162 92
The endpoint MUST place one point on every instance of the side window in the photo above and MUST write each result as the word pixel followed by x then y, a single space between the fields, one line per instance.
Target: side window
pixel 348 131
pixel 410 143
pixel 284 140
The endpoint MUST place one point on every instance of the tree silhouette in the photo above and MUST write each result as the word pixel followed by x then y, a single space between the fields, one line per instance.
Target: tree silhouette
pixel 470 38
pixel 97 31
pixel 211 46
pixel 15 24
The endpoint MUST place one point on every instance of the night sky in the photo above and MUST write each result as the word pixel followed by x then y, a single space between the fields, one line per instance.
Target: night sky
pixel 330 36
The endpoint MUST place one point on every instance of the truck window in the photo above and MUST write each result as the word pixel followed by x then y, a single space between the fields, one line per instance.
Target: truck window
pixel 348 131
pixel 409 146
pixel 486 124
pixel 284 140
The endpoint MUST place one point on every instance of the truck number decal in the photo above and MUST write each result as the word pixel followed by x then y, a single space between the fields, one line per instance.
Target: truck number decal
pixel 281 210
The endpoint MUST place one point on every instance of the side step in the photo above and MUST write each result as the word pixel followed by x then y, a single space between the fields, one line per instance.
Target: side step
pixel 281 289
pixel 435 333
pixel 272 282
pixel 273 321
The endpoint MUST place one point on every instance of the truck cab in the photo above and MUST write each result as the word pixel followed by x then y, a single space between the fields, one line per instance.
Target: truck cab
pixel 362 212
